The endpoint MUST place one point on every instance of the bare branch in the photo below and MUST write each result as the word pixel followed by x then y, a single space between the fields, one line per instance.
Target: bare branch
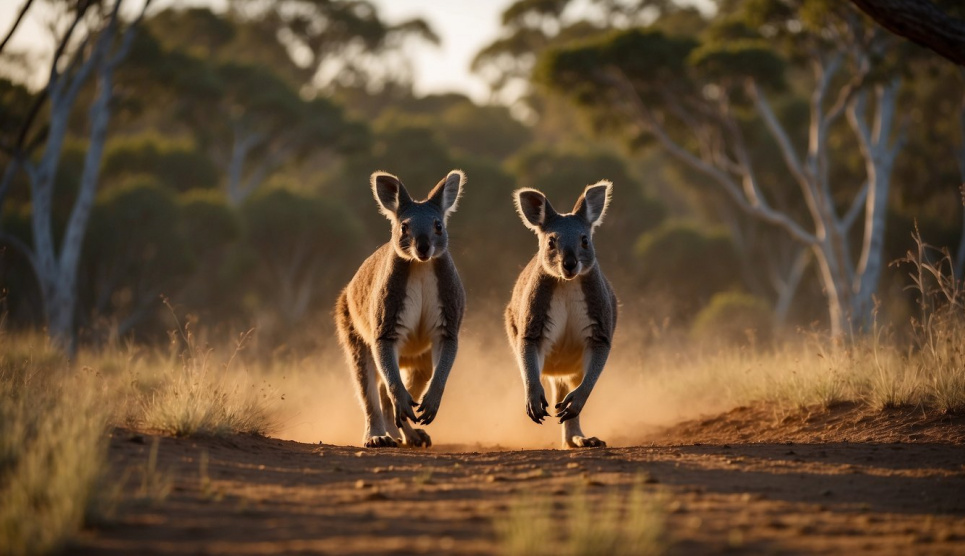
pixel 16 23
pixel 777 131
pixel 128 38
pixel 759 208
pixel 854 210
pixel 62 47
pixel 101 47
pixel 856 117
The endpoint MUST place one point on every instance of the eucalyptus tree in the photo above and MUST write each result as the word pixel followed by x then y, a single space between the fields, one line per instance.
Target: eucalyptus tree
pixel 93 42
pixel 697 100
pixel 338 42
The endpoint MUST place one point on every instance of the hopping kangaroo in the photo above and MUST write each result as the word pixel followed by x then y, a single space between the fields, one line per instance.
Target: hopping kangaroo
pixel 563 312
pixel 398 319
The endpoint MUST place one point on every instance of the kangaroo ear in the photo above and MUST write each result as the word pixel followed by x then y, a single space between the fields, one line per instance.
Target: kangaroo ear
pixel 533 207
pixel 594 201
pixel 389 193
pixel 446 193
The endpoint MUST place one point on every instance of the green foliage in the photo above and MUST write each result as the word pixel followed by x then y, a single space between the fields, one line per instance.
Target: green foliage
pixel 736 60
pixel 643 56
pixel 488 131
pixel 177 165
pixel 138 225
pixel 734 318
pixel 563 173
pixel 687 263
pixel 209 223
pixel 135 249
pixel 295 239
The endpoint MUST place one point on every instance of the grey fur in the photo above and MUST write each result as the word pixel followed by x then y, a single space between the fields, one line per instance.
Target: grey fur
pixel 563 313
pixel 398 319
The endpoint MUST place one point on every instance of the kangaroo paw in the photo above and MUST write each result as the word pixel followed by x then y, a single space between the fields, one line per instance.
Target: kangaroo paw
pixel 585 442
pixel 385 441
pixel 417 438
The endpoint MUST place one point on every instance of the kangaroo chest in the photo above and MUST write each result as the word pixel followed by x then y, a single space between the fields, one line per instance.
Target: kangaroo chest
pixel 567 326
pixel 421 314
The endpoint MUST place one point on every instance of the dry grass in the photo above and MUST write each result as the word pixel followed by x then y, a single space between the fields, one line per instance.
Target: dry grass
pixel 52 446
pixel 926 369
pixel 615 524
pixel 55 414
pixel 188 393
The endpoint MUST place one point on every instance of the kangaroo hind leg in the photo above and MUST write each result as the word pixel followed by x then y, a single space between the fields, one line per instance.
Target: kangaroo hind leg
pixel 417 372
pixel 573 436
pixel 365 377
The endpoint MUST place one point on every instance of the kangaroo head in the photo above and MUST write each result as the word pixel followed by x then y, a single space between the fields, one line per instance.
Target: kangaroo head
pixel 565 240
pixel 418 227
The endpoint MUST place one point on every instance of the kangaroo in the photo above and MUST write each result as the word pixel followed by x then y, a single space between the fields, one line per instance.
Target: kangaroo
pixel 563 312
pixel 398 319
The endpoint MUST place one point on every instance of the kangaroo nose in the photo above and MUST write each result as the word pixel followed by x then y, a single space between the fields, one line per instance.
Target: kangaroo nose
pixel 569 264
pixel 422 248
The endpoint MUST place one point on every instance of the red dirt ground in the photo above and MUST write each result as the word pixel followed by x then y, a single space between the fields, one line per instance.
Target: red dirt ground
pixel 841 480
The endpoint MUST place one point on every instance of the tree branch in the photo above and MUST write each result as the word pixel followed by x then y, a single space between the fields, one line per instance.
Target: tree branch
pixel 777 131
pixel 759 209
pixel 854 210
pixel 16 23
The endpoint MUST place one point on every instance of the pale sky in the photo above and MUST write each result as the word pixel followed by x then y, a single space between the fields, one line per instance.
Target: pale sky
pixel 465 26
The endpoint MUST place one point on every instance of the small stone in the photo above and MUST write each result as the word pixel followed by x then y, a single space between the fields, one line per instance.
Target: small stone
pixel 376 495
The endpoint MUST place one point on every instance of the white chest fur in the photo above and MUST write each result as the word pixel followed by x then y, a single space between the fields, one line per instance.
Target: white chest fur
pixel 421 315
pixel 568 324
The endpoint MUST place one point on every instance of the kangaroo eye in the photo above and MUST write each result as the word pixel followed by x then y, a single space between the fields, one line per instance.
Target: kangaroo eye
pixel 404 228
pixel 586 242
pixel 438 227
pixel 552 243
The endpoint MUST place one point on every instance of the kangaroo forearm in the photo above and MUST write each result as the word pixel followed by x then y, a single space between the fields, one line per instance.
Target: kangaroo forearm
pixel 445 358
pixel 530 367
pixel 387 361
pixel 593 363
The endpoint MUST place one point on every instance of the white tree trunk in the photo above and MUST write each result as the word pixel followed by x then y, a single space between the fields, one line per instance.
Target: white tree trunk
pixel 848 285
pixel 56 272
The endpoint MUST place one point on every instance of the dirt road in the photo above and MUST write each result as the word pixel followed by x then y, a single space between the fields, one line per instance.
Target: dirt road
pixel 839 481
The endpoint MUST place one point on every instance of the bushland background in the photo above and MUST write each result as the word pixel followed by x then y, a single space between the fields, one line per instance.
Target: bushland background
pixel 222 162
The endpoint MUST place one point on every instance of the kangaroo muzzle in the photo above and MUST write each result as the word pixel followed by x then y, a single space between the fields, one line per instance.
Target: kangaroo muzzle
pixel 571 266
pixel 423 249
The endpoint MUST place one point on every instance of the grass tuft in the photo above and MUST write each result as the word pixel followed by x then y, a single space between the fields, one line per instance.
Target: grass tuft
pixel 617 524
pixel 198 399
pixel 52 448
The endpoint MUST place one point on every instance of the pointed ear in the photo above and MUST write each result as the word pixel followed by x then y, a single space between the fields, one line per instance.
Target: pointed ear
pixel 446 193
pixel 533 207
pixel 593 203
pixel 389 193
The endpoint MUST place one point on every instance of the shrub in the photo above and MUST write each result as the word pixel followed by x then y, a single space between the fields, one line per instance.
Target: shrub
pixel 734 318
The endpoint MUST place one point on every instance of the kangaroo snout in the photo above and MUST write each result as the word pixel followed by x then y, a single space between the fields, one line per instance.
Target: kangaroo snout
pixel 423 248
pixel 571 266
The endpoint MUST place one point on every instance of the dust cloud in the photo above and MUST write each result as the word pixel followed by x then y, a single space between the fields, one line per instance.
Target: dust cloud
pixel 482 408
